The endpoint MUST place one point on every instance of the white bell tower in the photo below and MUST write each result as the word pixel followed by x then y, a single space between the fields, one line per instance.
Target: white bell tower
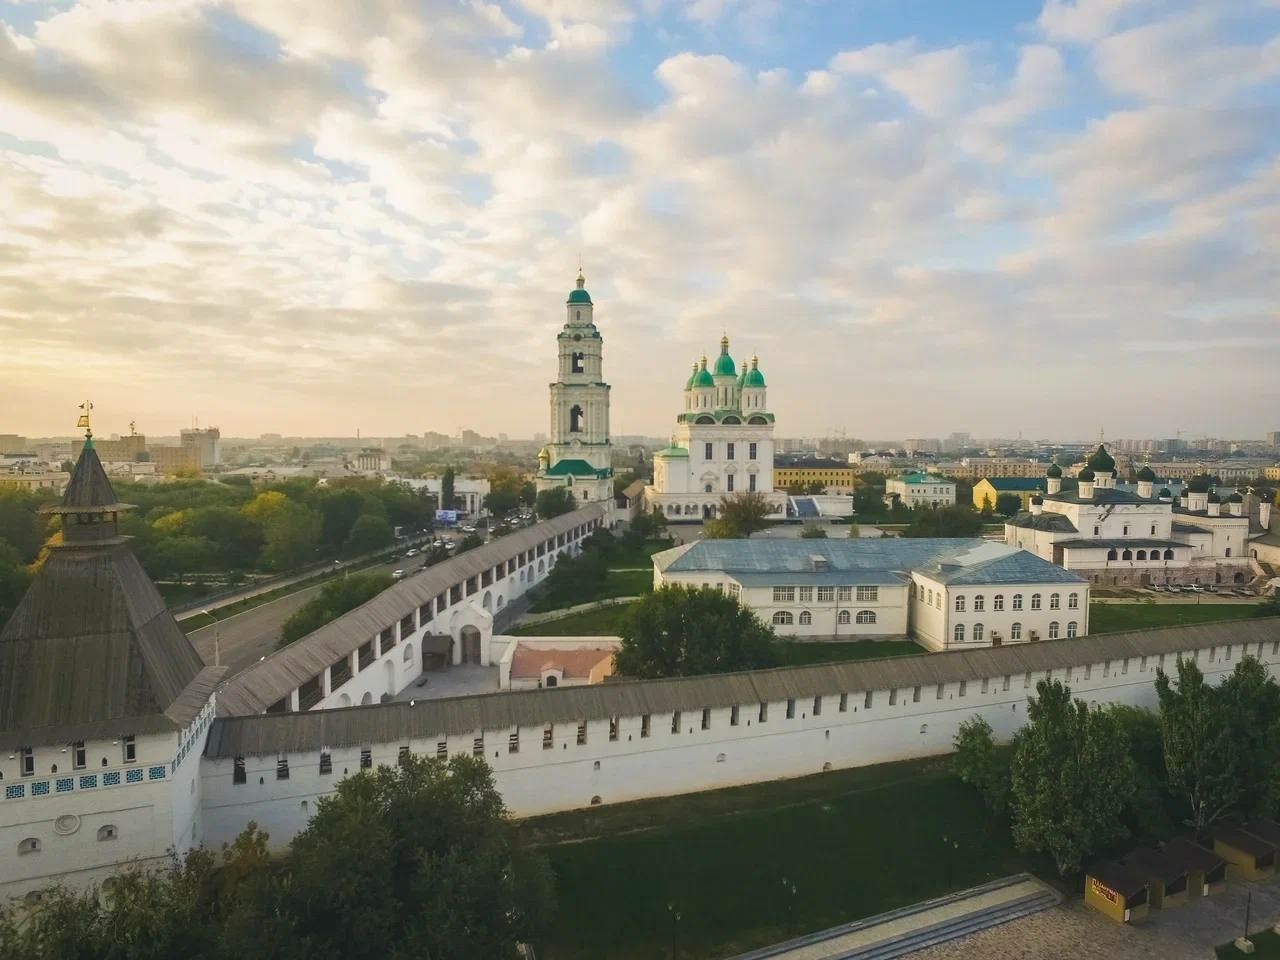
pixel 580 454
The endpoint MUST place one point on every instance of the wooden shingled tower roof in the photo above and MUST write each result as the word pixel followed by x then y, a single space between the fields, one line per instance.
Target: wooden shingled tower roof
pixel 92 650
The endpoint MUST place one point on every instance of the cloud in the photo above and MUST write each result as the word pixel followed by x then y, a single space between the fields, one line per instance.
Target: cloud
pixel 306 217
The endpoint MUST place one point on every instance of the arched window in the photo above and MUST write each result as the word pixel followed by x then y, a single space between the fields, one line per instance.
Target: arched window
pixel 551 681
pixel 1112 555
pixel 843 617
pixel 1053 630
pixel 107 832
pixel 408 653
pixel 1015 631
pixel 978 630
pixel 1017 601
pixel 958 633
pixel 1055 601
pixel 29 845
pixel 1073 601
pixel 1035 601
pixel 997 602
pixel 1228 553
pixel 959 604
pixel 1168 554
pixel 939 602
pixel 930 600
pixel 806 618
pixel 575 419
pixel 783 618
pixel 1142 555
pixel 979 603
pixel 1127 555
pixel 866 616
pixel 1072 628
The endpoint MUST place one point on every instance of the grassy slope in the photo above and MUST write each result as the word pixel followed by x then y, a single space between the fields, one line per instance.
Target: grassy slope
pixel 853 842
pixel 1115 617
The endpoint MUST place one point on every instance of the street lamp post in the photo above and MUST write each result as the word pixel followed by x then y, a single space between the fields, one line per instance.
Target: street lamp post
pixel 950 845
pixel 789 899
pixel 675 922
pixel 217 637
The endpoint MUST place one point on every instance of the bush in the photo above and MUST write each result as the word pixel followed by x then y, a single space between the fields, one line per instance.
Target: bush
pixel 335 599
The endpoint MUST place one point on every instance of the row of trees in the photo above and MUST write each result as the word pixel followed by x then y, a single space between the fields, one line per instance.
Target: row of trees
pixel 334 599
pixel 419 860
pixel 1076 780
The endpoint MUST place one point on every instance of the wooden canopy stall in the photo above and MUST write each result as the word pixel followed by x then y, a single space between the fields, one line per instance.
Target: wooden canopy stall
pixel 1206 871
pixel 1166 879
pixel 1248 857
pixel 1116 891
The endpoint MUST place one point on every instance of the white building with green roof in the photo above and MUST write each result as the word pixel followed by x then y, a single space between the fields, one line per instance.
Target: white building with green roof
pixel 580 454
pixel 722 445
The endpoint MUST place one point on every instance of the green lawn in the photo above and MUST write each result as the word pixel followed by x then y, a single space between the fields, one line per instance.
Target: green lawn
pixel 1266 947
pixel 604 622
pixel 797 654
pixel 617 583
pixel 1115 617
pixel 853 843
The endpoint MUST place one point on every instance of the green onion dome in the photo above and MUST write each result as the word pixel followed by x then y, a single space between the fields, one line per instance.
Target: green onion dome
pixel 1214 498
pixel 1101 461
pixel 742 377
pixel 1147 474
pixel 755 378
pixel 1199 484
pixel 1235 498
pixel 725 367
pixel 579 293
pixel 1085 476
pixel 1037 500
pixel 1165 494
pixel 1054 471
pixel 703 377
pixel 692 377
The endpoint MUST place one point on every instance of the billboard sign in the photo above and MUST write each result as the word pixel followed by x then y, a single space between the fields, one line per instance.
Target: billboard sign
pixel 447 516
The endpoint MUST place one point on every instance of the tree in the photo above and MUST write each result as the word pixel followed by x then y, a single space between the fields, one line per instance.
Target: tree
pixel 1251 705
pixel 505 487
pixel 339 510
pixel 987 507
pixel 718 530
pixel 177 556
pixel 854 532
pixel 1072 778
pixel 647 526
pixel 14 580
pixel 1007 504
pixel 957 521
pixel 265 505
pixel 418 860
pixel 469 542
pixel 678 632
pixel 554 501
pixel 1199 754
pixel 20 522
pixel 236 538
pixel 745 513
pixel 369 533
pixel 981 764
pixel 811 531
pixel 446 489
pixel 292 533
pixel 335 598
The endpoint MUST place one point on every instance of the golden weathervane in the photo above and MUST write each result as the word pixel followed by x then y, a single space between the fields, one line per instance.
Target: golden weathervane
pixel 86 408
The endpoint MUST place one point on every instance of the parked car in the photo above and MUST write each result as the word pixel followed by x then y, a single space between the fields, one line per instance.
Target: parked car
pixel 397 575
pixel 412 553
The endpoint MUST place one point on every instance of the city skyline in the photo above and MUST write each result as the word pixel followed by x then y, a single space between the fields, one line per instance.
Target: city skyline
pixel 1037 218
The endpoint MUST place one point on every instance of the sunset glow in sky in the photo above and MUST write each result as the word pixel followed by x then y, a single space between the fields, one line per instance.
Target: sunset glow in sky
pixel 312 217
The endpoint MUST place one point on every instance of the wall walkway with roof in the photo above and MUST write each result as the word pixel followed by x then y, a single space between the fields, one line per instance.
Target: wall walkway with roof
pixel 374 651
pixel 570 747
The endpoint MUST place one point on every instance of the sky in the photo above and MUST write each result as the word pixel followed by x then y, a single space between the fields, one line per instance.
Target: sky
pixel 1035 217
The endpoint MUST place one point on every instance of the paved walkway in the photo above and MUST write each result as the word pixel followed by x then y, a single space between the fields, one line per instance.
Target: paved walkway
pixel 1072 930
pixel 899 932
pixel 462 680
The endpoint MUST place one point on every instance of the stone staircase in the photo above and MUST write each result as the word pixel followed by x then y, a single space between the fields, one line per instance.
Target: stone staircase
pixel 907 930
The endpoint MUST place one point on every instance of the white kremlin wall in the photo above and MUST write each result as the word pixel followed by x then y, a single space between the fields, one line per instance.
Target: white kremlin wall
pixel 875 727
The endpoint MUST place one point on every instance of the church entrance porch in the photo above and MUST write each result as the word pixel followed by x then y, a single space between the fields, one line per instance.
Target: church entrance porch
pixel 470 644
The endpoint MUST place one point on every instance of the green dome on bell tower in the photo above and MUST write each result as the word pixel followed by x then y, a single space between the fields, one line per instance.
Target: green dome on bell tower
pixel 579 293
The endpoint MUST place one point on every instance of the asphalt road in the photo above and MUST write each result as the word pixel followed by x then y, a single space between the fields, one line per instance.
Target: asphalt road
pixel 244 638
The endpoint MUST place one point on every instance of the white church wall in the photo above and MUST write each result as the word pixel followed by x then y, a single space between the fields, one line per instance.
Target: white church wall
pixel 874 727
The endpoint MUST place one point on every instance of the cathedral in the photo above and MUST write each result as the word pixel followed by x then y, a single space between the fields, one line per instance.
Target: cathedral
pixel 722 446
pixel 580 454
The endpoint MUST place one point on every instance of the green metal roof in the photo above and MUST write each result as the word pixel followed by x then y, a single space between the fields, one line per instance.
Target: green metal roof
pixel 572 468
pixel 672 451
pixel 579 296
pixel 703 378
pixel 754 379
pixel 725 367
